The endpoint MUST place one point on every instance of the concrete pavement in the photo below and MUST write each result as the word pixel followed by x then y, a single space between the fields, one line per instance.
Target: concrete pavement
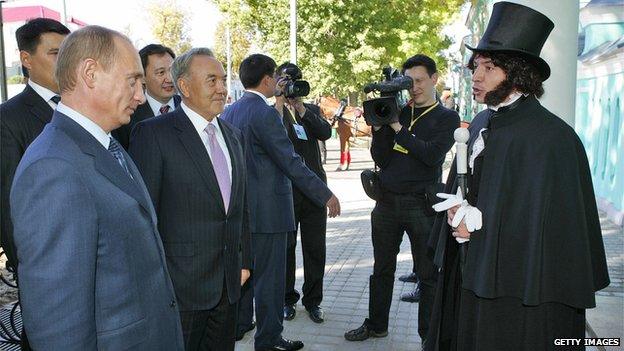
pixel 350 262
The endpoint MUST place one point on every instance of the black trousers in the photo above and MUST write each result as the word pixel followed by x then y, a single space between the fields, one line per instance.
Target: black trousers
pixel 391 216
pixel 312 222
pixel 213 329
pixel 244 317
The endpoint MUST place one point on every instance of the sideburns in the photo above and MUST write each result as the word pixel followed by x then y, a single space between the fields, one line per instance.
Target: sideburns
pixel 499 94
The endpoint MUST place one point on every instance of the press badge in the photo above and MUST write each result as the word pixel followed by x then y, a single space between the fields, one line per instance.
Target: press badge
pixel 399 148
pixel 300 131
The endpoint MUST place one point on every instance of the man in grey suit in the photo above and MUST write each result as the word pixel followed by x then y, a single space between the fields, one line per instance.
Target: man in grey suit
pixel 271 166
pixel 91 265
pixel 194 166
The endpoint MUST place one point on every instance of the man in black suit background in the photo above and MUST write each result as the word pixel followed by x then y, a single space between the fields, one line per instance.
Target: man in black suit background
pixel 194 167
pixel 305 128
pixel 23 117
pixel 160 94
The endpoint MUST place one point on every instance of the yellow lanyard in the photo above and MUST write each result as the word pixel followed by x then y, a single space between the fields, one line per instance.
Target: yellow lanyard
pixel 422 114
pixel 292 114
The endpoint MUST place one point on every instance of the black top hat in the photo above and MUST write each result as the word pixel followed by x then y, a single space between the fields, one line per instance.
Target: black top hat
pixel 517 29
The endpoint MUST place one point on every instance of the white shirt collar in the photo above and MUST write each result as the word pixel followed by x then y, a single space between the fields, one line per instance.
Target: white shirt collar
pixel 510 100
pixel 260 95
pixel 199 122
pixel 86 123
pixel 45 93
pixel 155 105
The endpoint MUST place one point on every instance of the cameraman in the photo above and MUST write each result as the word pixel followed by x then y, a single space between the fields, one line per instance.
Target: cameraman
pixel 410 153
pixel 305 128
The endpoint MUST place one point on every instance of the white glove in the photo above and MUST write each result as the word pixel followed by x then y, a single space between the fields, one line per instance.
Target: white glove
pixel 451 201
pixel 470 214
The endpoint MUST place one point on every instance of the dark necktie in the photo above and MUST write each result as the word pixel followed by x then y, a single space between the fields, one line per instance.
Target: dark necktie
pixel 55 99
pixel 115 149
pixel 164 109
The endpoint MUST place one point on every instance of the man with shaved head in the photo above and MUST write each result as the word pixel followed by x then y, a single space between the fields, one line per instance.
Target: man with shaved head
pixel 91 264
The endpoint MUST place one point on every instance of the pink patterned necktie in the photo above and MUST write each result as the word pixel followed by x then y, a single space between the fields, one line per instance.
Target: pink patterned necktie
pixel 163 109
pixel 219 163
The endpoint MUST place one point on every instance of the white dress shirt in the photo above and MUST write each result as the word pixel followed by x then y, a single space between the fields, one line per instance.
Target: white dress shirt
pixel 155 105
pixel 260 95
pixel 90 126
pixel 45 93
pixel 200 124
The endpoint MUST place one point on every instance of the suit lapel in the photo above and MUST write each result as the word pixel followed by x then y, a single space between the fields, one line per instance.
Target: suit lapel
pixel 233 146
pixel 104 161
pixel 197 151
pixel 37 106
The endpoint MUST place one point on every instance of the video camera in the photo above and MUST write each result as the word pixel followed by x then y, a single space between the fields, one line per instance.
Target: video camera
pixel 295 86
pixel 385 109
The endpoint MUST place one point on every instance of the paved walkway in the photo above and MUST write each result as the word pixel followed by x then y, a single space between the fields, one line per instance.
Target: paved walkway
pixel 350 262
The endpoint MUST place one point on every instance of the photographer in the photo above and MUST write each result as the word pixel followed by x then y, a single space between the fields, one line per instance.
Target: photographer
pixel 305 128
pixel 410 153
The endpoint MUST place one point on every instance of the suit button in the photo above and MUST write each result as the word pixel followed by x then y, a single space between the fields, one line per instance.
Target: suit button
pixel 172 304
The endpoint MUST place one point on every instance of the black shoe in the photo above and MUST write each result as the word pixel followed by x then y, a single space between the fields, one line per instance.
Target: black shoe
pixel 241 333
pixel 409 278
pixel 413 296
pixel 316 314
pixel 289 312
pixel 364 332
pixel 284 345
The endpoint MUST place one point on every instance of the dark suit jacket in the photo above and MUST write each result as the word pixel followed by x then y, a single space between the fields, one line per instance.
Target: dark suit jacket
pixel 317 128
pixel 22 118
pixel 143 112
pixel 92 271
pixel 202 243
pixel 271 162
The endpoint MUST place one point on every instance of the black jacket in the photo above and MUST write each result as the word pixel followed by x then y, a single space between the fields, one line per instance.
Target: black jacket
pixel 317 128
pixel 22 119
pixel 541 240
pixel 204 245
pixel 143 112
pixel 426 143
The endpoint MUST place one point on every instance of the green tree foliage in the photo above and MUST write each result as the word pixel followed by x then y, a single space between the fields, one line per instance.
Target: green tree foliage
pixel 241 39
pixel 343 44
pixel 169 25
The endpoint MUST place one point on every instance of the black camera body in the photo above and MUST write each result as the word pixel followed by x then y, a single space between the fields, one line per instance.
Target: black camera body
pixel 386 108
pixel 295 86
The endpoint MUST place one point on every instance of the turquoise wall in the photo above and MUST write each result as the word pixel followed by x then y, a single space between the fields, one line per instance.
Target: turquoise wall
pixel 599 111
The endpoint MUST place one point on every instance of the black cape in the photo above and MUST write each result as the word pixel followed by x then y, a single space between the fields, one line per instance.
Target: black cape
pixel 541 240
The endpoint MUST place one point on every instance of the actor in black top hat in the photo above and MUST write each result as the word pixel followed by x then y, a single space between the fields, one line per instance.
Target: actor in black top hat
pixel 534 266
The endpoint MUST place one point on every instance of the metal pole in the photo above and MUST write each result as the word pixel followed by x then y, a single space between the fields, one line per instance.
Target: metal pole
pixel 293 31
pixel 64 13
pixel 228 50
pixel 3 83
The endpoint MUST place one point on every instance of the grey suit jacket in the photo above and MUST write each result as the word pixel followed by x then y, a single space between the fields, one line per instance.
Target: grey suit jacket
pixel 271 166
pixel 91 265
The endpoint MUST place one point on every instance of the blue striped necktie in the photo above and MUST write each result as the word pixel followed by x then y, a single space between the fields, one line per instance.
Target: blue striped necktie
pixel 115 149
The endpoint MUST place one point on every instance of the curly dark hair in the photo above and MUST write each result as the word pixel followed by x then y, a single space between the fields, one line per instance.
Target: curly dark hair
pixel 522 76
